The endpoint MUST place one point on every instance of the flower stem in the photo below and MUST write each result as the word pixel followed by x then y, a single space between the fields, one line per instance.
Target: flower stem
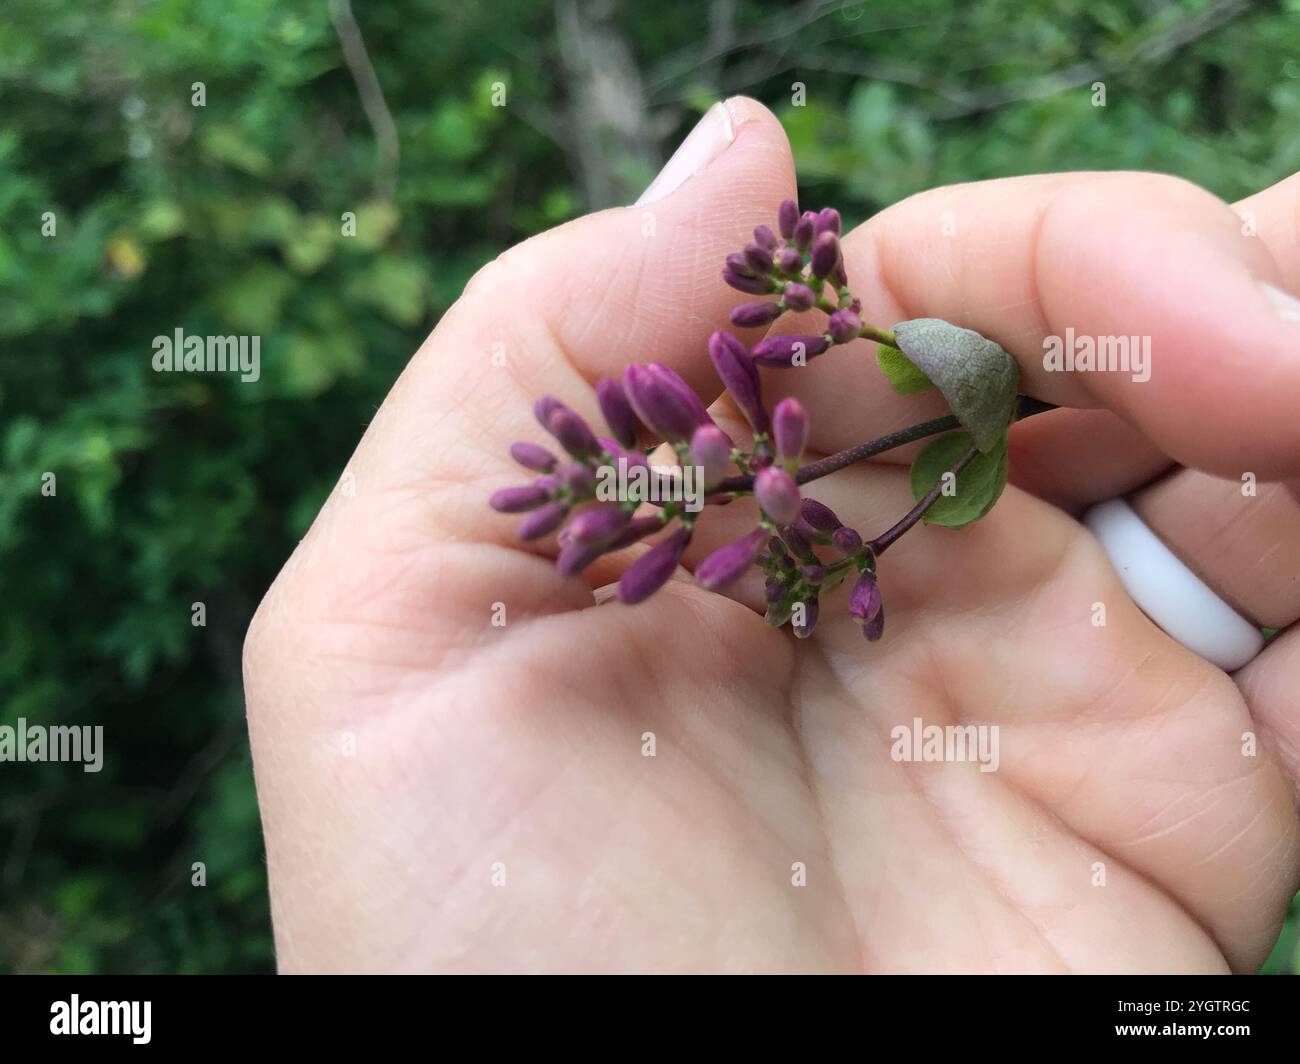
pixel 1026 407
pixel 881 336
pixel 835 462
pixel 882 541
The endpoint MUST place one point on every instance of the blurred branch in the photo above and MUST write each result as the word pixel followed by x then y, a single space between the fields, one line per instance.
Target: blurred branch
pixel 1151 47
pixel 779 28
pixel 769 50
pixel 608 126
pixel 722 32
pixel 372 96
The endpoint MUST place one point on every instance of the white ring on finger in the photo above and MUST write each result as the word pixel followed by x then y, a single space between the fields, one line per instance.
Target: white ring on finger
pixel 1168 592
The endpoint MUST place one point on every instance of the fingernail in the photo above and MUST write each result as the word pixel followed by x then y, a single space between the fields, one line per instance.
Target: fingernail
pixel 710 138
pixel 1286 305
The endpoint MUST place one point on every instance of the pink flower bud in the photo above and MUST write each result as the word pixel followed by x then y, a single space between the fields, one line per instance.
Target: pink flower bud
pixel 727 564
pixel 711 450
pixel 798 297
pixel 777 494
pixel 790 429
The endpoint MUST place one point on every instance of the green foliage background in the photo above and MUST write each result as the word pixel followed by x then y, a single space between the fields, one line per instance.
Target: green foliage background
pixel 183 488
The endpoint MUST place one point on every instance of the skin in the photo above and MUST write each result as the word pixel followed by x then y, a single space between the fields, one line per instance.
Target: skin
pixel 1120 751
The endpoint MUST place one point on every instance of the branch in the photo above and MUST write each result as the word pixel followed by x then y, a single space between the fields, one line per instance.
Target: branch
pixel 372 96
pixel 1026 406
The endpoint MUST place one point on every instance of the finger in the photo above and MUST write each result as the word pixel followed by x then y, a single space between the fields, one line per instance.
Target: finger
pixel 1100 255
pixel 548 317
pixel 1274 216
pixel 1269 686
pixel 1076 457
pixel 1242 538
pixel 1073 458
pixel 1123 735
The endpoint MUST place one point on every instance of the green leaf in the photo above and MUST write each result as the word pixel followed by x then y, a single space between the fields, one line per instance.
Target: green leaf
pixel 974 374
pixel 904 376
pixel 976 488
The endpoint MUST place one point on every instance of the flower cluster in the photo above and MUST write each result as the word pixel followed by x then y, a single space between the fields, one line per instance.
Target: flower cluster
pixel 802 264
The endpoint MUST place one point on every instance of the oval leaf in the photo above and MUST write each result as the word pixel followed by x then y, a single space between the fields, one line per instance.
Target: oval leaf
pixel 904 376
pixel 976 488
pixel 974 374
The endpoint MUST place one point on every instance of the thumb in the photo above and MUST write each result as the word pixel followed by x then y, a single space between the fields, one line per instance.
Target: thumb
pixel 548 317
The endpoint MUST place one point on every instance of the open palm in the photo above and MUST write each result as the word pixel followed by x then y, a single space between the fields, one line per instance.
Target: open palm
pixel 466 762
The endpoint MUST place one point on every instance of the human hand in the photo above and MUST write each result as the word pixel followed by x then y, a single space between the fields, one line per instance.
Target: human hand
pixel 498 812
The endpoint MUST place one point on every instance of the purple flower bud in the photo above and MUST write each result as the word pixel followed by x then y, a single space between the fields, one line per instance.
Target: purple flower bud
pixel 805 230
pixel 684 392
pixel 711 450
pixel 780 553
pixel 573 434
pixel 819 516
pixel 791 261
pixel 636 529
pixel 531 456
pixel 754 286
pixel 799 542
pixel 814 574
pixel 810 534
pixel 758 258
pixel 773 588
pixel 653 569
pixel 548 484
pixel 761 312
pixel 798 297
pixel 519 500
pixel 864 599
pixel 844 326
pixel 793 349
pixel 787 217
pixel 541 522
pixel 575 557
pixel 568 428
pixel 828 220
pixel 825 254
pixel 765 238
pixel 578 478
pixel 805 620
pixel 778 613
pixel 544 408
pixel 847 540
pixel 839 278
pixel 739 376
pixel 790 428
pixel 777 494
pixel 597 525
pixel 875 627
pixel 658 404
pixel 735 262
pixel 617 411
pixel 727 564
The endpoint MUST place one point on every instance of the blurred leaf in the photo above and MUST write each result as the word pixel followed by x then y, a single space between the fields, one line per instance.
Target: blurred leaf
pixel 396 287
pixel 227 144
pixel 253 301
